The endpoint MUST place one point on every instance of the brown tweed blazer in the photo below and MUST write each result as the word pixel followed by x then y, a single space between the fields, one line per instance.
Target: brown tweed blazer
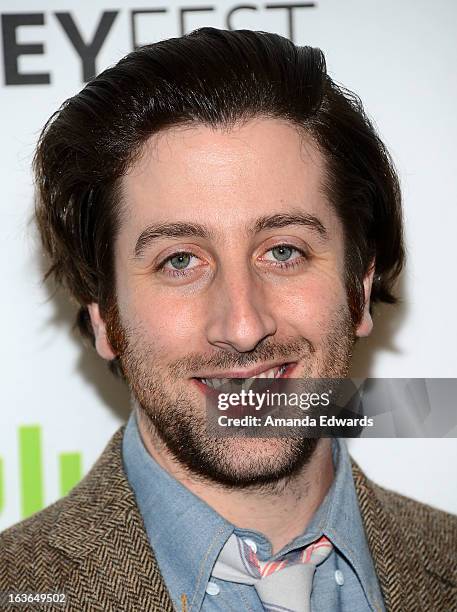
pixel 92 546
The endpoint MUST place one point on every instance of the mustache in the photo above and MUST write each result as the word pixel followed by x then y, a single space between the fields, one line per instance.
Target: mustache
pixel 267 351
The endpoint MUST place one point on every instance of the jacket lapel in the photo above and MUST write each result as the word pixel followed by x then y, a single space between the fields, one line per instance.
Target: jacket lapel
pixel 381 543
pixel 412 548
pixel 101 530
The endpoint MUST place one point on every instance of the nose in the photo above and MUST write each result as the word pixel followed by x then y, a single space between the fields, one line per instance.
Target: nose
pixel 239 317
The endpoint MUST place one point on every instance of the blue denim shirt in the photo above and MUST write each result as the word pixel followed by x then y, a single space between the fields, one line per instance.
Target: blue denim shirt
pixel 187 535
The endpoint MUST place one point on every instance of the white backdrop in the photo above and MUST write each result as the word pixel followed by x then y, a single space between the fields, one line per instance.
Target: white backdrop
pixel 400 57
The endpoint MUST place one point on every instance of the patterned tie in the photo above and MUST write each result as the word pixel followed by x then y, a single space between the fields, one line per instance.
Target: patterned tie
pixel 283 585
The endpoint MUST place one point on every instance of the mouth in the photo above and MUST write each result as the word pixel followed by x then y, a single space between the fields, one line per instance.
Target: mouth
pixel 212 382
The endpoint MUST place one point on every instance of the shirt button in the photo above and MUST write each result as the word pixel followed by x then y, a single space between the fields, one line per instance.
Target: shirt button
pixel 339 578
pixel 212 588
pixel 252 545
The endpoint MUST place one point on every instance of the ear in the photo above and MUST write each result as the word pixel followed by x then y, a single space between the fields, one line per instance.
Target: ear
pixel 365 326
pixel 102 344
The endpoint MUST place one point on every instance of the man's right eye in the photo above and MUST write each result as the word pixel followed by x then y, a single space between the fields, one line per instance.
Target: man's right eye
pixel 179 264
pixel 180 261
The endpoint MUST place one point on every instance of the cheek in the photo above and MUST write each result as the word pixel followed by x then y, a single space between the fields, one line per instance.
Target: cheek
pixel 166 321
pixel 308 306
pixel 169 324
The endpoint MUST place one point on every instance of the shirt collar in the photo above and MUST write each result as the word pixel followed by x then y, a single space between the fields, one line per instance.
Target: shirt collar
pixel 187 535
pixel 338 517
pixel 340 520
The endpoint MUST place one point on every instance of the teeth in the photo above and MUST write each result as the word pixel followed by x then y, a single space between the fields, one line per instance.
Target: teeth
pixel 216 383
pixel 281 371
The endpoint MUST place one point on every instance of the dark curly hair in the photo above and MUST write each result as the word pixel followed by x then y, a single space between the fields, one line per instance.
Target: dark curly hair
pixel 215 78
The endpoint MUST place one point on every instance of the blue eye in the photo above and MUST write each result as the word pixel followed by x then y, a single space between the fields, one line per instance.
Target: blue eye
pixel 180 264
pixel 282 252
pixel 285 257
pixel 180 261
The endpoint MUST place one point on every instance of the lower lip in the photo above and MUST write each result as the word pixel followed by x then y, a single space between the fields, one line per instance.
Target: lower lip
pixel 210 391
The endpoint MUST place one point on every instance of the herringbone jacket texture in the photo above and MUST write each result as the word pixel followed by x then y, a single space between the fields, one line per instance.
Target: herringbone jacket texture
pixel 92 546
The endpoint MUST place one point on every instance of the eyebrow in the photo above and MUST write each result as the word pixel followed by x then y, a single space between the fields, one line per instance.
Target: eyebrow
pixel 170 230
pixel 296 218
pixel 191 230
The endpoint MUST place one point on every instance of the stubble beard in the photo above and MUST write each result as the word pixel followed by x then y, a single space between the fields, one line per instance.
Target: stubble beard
pixel 174 415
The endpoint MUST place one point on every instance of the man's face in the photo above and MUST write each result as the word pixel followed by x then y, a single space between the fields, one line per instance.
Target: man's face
pixel 229 263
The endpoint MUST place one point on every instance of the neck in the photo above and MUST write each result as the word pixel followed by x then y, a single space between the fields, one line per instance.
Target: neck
pixel 281 514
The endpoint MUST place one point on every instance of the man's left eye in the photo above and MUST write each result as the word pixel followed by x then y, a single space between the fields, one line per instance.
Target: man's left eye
pixel 283 253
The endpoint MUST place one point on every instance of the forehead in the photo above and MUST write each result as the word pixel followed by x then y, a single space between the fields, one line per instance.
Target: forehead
pixel 224 178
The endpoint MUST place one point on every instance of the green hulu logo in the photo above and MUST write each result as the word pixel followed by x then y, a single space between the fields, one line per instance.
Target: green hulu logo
pixel 31 484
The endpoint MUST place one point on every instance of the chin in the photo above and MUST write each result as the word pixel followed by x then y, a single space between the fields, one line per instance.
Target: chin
pixel 249 462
